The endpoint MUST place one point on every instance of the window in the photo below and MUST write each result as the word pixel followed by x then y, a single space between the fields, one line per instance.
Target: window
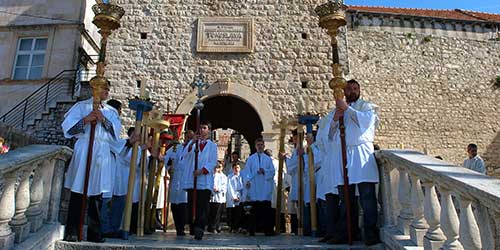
pixel 30 57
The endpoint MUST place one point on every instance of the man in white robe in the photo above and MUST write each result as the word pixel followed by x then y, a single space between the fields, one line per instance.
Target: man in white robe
pixel 259 179
pixel 217 200
pixel 178 196
pixel 207 160
pixel 76 124
pixel 360 119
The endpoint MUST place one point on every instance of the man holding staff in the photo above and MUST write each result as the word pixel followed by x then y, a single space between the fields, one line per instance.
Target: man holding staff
pixel 199 191
pixel 360 119
pixel 77 124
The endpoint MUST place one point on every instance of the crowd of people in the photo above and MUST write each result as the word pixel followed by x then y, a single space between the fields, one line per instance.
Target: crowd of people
pixel 246 190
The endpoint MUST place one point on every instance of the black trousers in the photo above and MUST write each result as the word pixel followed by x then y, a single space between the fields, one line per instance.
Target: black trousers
pixel 94 225
pixel 234 217
pixel 215 212
pixel 261 216
pixel 202 201
pixel 332 213
pixel 179 212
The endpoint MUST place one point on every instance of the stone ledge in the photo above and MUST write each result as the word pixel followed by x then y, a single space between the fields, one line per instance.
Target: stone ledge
pixel 44 239
pixel 394 240
pixel 167 241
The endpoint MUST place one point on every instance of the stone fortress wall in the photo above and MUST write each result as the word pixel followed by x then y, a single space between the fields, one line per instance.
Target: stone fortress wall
pixel 435 91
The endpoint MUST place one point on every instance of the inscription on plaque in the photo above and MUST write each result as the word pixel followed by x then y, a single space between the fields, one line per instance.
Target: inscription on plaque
pixel 225 35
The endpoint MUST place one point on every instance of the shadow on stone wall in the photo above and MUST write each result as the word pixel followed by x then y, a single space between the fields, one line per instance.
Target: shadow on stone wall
pixel 491 157
pixel 16 138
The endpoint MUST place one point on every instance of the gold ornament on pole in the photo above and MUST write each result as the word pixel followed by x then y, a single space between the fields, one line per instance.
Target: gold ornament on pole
pixel 332 16
pixel 107 18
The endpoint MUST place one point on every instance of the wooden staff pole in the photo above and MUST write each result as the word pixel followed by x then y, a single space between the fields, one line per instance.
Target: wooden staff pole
pixel 279 191
pixel 300 176
pixel 332 16
pixel 142 181
pixel 158 124
pixel 309 120
pixel 140 105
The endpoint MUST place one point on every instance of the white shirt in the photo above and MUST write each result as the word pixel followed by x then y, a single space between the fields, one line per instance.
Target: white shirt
pixel 234 190
pixel 476 164
pixel 261 185
pixel 101 174
pixel 207 158
pixel 177 193
pixel 360 121
pixel 220 183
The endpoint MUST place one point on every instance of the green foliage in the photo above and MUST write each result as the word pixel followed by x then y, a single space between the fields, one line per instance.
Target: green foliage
pixel 427 39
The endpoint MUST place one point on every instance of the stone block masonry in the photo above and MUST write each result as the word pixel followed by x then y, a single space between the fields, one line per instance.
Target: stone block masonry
pixel 434 92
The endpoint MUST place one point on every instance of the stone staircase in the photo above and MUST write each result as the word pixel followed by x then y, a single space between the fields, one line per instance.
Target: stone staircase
pixel 223 241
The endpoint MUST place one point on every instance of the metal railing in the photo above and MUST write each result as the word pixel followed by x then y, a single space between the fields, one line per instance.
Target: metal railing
pixel 63 84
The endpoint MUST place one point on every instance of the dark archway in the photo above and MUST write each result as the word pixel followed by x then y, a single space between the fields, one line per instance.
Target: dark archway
pixel 230 112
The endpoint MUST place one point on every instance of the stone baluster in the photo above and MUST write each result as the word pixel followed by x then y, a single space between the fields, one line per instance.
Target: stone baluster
pixel 449 221
pixel 469 230
pixel 405 214
pixel 7 205
pixel 387 207
pixel 434 237
pixel 34 212
pixel 20 223
pixel 418 226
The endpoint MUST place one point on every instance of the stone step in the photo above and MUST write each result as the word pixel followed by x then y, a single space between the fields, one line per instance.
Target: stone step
pixel 224 241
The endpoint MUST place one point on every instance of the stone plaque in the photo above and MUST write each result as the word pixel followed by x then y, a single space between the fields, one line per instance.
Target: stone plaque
pixel 225 35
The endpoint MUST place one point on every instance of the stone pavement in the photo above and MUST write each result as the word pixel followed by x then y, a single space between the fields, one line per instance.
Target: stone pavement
pixel 224 241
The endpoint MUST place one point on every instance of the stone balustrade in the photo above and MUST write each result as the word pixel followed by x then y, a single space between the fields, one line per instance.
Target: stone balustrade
pixel 431 204
pixel 31 179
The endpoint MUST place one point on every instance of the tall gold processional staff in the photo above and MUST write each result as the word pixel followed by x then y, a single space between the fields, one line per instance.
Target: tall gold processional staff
pixel 332 16
pixel 107 18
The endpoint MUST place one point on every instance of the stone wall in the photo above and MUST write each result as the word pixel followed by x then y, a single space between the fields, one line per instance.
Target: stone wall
pixel 48 129
pixel 435 93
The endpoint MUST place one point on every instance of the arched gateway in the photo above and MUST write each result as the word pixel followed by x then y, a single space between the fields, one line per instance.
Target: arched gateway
pixel 235 106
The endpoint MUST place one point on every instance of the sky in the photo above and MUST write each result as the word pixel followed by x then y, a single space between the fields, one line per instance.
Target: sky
pixel 491 6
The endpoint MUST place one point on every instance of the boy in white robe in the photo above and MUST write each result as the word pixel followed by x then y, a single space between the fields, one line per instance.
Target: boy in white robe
pixel 178 196
pixel 259 179
pixel 233 198
pixel 207 160
pixel 76 124
pixel 217 200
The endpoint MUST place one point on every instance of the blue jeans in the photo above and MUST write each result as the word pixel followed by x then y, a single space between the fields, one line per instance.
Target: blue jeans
pixel 112 213
pixel 368 202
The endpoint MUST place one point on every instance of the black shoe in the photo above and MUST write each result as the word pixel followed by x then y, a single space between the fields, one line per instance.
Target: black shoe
pixel 114 235
pixel 251 233
pixel 269 234
pixel 210 230
pixel 181 233
pixel 70 238
pixel 198 234
pixel 96 240
pixel 371 242
pixel 336 241
pixel 325 239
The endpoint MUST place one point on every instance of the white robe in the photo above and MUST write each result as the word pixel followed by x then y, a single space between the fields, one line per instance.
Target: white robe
pixel 206 159
pixel 292 165
pixel 220 182
pixel 275 183
pixel 360 121
pixel 261 185
pixel 234 190
pixel 177 194
pixel 100 177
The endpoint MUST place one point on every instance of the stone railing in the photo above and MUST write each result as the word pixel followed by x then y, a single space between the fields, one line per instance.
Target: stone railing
pixel 31 179
pixel 431 204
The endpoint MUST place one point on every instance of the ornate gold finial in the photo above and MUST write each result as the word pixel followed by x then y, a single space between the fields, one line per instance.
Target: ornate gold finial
pixel 332 15
pixel 107 16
